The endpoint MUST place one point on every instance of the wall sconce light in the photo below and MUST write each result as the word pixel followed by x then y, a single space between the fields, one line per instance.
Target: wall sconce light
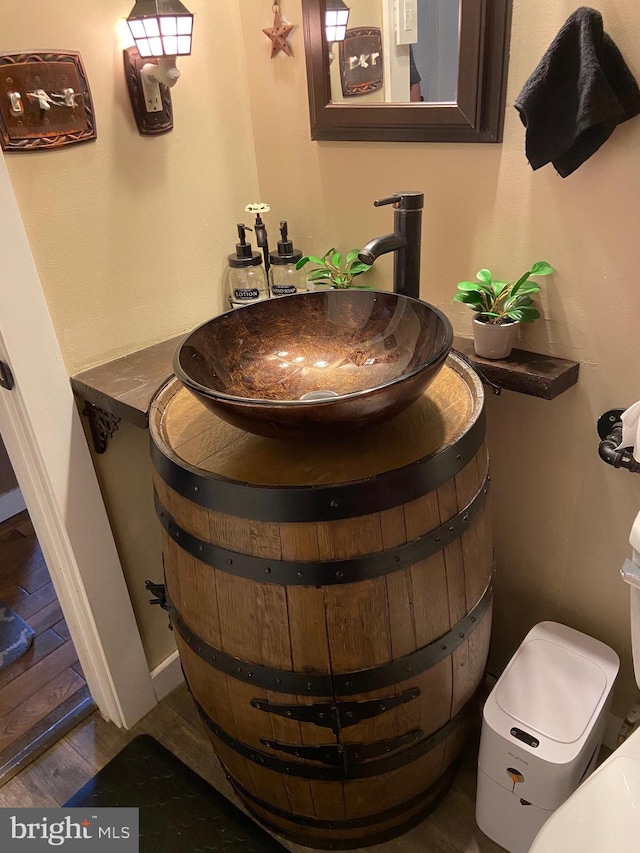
pixel 336 18
pixel 162 31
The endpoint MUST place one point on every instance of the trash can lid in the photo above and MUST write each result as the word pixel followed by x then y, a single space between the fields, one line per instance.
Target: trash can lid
pixel 555 684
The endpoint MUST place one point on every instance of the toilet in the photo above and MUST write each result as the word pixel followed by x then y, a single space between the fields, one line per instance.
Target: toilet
pixel 603 815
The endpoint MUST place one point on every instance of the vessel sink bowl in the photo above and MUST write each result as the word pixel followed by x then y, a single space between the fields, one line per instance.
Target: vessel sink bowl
pixel 301 365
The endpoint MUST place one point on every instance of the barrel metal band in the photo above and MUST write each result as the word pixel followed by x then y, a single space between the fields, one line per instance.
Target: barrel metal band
pixel 353 769
pixel 341 684
pixel 441 786
pixel 324 502
pixel 325 572
pixel 349 823
pixel 327 843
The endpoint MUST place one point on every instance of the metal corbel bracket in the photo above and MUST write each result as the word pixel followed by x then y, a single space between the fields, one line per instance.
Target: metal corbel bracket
pixel 159 590
pixel 496 387
pixel 610 432
pixel 102 424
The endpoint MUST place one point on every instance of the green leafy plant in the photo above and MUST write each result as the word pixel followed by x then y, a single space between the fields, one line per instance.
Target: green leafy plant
pixel 334 271
pixel 500 302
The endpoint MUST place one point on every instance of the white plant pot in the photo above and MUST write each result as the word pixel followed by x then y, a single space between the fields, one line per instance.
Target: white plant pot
pixel 493 340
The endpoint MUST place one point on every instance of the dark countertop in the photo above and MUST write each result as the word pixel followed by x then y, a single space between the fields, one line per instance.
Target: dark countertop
pixel 125 387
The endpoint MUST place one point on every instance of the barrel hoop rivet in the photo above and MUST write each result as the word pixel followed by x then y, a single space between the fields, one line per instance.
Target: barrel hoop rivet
pixel 324 572
pixel 344 684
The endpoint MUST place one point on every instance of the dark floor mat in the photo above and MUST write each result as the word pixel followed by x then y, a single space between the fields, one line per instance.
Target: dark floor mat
pixel 179 811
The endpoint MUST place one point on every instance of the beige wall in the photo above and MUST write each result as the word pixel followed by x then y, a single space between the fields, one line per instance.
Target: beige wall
pixel 130 234
pixel 561 516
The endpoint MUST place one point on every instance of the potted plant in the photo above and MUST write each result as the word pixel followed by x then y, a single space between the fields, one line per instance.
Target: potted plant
pixel 334 272
pixel 500 307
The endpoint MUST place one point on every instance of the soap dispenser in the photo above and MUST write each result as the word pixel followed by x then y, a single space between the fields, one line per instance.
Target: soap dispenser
pixel 285 278
pixel 246 279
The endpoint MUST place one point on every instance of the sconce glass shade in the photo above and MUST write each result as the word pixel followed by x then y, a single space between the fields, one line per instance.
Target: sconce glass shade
pixel 336 17
pixel 161 28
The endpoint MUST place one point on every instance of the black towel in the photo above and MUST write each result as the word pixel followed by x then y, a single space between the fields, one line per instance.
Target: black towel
pixel 579 92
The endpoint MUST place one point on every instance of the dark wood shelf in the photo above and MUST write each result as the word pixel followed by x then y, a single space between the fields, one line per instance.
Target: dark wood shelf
pixel 126 386
pixel 123 389
pixel 532 373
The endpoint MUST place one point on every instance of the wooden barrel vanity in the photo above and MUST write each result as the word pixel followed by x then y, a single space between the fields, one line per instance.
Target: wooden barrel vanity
pixel 331 601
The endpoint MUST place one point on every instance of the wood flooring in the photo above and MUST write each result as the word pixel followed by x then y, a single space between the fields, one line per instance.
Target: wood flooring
pixel 69 764
pixel 43 693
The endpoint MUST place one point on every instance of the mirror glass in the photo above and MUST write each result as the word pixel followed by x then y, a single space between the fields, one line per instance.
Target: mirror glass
pixel 408 70
pixel 397 52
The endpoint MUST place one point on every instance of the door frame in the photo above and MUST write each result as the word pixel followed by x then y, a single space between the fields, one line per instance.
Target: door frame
pixel 43 434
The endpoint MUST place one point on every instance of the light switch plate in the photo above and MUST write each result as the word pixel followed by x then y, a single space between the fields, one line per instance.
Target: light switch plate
pixel 24 124
pixel 406 21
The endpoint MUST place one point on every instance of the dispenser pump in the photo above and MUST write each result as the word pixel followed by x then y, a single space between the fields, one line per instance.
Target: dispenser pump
pixel 244 256
pixel 285 278
pixel 286 254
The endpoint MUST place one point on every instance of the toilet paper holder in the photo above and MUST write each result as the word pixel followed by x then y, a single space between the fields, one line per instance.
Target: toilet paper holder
pixel 610 432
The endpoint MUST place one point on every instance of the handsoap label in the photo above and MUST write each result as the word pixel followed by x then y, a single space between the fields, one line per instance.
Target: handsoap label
pixel 283 289
pixel 246 293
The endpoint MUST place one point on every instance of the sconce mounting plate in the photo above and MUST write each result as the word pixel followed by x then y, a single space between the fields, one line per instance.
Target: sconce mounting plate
pixel 149 123
pixel 60 80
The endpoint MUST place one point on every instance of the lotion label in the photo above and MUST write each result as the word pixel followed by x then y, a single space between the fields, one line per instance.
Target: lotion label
pixel 246 293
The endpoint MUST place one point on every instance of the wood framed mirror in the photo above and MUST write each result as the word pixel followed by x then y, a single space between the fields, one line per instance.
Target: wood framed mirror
pixel 463 89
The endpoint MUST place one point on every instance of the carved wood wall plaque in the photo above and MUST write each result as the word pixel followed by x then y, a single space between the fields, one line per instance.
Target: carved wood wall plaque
pixel 361 69
pixel 45 101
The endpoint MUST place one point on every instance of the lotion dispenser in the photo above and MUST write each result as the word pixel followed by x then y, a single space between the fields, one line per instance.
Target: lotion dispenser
pixel 285 278
pixel 246 279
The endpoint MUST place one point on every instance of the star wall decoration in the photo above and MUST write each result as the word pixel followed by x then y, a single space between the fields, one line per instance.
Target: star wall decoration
pixel 279 33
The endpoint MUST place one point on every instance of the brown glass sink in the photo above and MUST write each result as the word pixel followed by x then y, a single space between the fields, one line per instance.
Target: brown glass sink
pixel 304 364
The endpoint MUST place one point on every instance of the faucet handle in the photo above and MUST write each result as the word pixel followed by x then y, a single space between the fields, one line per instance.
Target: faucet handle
pixel 406 200
pixel 392 199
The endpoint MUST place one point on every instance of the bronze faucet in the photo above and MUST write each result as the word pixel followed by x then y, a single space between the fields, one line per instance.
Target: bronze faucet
pixel 404 241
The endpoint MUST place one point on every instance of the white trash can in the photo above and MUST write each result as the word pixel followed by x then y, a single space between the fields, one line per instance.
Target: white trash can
pixel 542 728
